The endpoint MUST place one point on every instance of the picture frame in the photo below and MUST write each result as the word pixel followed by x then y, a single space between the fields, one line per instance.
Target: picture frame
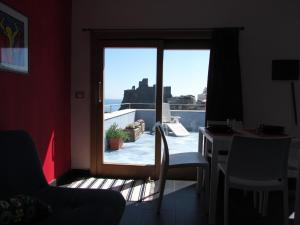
pixel 13 40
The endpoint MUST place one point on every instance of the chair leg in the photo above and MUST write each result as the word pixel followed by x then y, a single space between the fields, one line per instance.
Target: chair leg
pixel 255 199
pixel 226 205
pixel 285 206
pixel 199 180
pixel 260 202
pixel 214 180
pixel 206 180
pixel 161 193
pixel 265 203
pixel 203 183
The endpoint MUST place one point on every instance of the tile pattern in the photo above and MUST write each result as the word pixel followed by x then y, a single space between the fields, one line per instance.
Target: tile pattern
pixel 132 190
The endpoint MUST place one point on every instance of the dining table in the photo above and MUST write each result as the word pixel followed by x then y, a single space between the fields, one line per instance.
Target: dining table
pixel 213 145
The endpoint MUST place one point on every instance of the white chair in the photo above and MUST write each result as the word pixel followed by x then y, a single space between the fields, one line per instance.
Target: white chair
pixel 166 114
pixel 297 202
pixel 224 152
pixel 172 122
pixel 293 162
pixel 257 164
pixel 179 160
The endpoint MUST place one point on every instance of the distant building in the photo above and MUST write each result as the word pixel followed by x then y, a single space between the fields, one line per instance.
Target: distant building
pixel 182 102
pixel 202 96
pixel 201 99
pixel 143 96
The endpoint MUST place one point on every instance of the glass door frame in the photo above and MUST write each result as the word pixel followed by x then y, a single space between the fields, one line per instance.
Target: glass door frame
pixel 164 39
pixel 98 167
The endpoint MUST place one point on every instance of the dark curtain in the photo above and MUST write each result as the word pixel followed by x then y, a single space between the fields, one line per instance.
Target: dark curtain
pixel 224 94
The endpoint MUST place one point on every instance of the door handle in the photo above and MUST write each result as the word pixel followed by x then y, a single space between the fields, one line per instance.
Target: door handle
pixel 99 92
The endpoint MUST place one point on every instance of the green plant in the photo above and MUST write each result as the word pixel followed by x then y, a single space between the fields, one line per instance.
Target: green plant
pixel 115 132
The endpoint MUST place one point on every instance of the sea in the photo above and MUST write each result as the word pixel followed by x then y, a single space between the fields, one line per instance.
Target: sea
pixel 112 105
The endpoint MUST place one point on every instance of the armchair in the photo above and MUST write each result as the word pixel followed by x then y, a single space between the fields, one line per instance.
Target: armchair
pixel 21 173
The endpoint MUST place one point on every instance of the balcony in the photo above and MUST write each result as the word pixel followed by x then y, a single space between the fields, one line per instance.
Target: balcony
pixel 142 150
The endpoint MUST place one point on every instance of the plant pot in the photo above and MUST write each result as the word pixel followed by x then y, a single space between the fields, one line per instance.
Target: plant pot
pixel 115 143
pixel 133 133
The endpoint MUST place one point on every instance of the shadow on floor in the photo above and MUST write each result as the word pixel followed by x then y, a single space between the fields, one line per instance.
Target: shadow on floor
pixel 182 206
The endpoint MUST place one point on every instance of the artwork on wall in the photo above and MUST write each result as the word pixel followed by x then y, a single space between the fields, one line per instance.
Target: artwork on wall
pixel 13 40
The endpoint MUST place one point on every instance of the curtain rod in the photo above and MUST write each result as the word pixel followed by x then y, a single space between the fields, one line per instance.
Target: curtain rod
pixel 161 29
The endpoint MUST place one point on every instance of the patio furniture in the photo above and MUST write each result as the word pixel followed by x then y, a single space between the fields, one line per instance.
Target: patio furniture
pixel 257 164
pixel 172 122
pixel 21 173
pixel 220 126
pixel 180 160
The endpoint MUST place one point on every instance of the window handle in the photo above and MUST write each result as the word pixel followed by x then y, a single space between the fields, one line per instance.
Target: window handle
pixel 100 91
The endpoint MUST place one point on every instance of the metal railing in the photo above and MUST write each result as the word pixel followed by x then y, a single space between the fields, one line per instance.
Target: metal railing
pixel 108 108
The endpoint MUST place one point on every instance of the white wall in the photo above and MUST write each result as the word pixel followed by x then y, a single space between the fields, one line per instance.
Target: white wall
pixel 271 32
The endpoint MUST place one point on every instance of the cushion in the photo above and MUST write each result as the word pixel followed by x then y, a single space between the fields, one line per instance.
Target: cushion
pixel 22 209
pixel 72 206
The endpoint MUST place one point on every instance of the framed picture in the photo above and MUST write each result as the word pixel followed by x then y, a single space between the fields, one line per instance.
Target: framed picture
pixel 13 40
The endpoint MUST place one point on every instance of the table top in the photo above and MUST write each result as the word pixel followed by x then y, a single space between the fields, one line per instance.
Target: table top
pixel 247 132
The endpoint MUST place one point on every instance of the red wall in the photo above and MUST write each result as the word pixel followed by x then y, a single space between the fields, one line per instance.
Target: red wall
pixel 40 101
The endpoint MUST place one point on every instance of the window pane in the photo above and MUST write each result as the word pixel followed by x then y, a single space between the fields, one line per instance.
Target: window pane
pixel 129 102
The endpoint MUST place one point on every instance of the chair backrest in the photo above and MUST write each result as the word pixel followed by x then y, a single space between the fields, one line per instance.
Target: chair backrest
pixel 258 158
pixel 20 167
pixel 166 113
pixel 165 157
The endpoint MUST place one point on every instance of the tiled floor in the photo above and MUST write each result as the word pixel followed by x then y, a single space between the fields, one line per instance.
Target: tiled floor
pixel 182 206
pixel 142 150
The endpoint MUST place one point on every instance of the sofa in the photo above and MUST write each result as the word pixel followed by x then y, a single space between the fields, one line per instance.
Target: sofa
pixel 21 175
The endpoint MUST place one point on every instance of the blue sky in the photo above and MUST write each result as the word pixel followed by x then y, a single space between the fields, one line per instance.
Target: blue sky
pixel 184 70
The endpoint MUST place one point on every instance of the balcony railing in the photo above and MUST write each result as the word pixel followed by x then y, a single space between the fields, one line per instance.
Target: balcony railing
pixel 142 150
pixel 190 119
pixel 108 108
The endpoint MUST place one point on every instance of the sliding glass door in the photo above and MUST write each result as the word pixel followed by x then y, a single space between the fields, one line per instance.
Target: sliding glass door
pixel 135 82
pixel 185 79
pixel 129 104
pixel 127 109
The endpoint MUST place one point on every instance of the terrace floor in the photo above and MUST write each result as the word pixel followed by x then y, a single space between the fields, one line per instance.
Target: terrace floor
pixel 142 150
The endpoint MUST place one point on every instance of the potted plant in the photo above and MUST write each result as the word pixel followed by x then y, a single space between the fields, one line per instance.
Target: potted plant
pixel 115 137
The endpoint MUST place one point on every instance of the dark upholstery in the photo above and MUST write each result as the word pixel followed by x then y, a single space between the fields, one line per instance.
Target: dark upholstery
pixel 20 167
pixel 21 173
